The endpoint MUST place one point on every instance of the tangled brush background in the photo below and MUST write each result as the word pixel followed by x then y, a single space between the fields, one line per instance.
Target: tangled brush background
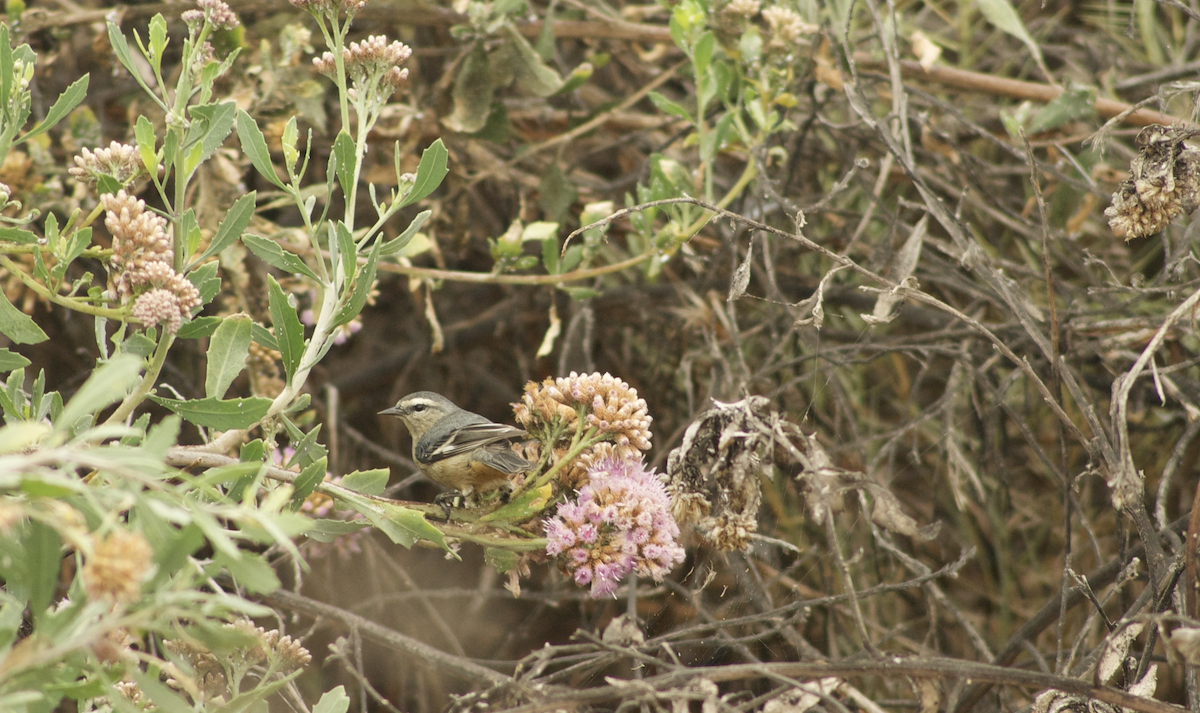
pixel 856 341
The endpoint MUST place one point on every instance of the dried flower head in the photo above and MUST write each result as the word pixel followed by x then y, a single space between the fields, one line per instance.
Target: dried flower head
pixel 745 8
pixel 1164 181
pixel 210 675
pixel 551 410
pixel 270 645
pixel 713 474
pixel 620 522
pixel 371 61
pixel 330 8
pixel 116 566
pixel 130 691
pixel 786 26
pixel 120 162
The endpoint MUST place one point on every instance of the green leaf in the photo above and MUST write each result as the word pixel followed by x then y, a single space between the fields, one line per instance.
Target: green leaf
pixel 577 78
pixel 221 414
pixel 344 161
pixel 121 49
pixel 173 555
pixel 18 236
pixel 255 147
pixel 367 482
pixel 401 523
pixel 702 53
pixel 1002 15
pixel 667 106
pixel 254 451
pixel 335 701
pixel 11 360
pixel 190 229
pixel 43 560
pixel 107 384
pixel 165 699
pixel 206 281
pixel 550 256
pixel 227 353
pixel 530 73
pixel 398 243
pixel 211 125
pixel 143 132
pixel 161 436
pixel 750 44
pixel 158 38
pixel 251 571
pixel 1076 102
pixel 472 93
pixel 530 503
pixel 325 530
pixel 68 100
pixel 199 327
pixel 430 173
pixel 310 477
pixel 271 253
pixel 501 560
pixel 346 251
pixel 138 345
pixel 289 333
pixel 232 227
pixel 18 326
pixel 556 193
pixel 362 289
pixel 7 75
pixel 263 337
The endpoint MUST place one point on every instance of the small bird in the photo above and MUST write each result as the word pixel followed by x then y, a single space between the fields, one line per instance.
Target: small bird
pixel 458 449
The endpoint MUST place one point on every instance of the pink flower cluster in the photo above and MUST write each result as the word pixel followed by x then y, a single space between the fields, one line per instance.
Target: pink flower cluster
pixel 620 522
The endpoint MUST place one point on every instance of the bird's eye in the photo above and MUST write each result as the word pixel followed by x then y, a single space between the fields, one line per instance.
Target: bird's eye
pixel 418 408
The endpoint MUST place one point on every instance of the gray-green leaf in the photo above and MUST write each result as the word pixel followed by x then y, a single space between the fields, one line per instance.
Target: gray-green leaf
pixel 227 352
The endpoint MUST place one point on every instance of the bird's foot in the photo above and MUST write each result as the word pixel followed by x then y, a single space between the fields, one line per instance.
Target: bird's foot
pixel 450 499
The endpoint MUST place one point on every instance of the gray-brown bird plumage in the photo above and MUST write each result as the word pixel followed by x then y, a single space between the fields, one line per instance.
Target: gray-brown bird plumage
pixel 458 449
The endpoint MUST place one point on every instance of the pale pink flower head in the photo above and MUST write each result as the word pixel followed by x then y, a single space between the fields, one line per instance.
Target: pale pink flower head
pixel 619 522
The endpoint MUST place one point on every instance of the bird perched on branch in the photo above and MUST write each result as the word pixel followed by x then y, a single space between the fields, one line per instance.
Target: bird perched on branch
pixel 458 449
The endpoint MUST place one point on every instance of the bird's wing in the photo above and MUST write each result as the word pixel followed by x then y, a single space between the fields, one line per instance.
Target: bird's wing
pixel 475 436
pixel 502 459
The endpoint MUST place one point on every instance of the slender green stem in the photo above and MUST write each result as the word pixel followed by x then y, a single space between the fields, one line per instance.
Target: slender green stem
pixel 135 397
pixel 68 302
pixel 583 440
pixel 29 249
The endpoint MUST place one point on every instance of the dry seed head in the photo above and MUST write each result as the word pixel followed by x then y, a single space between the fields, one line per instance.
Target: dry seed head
pixel 746 8
pixel 786 26
pixel 116 566
pixel 330 7
pixel 609 405
pixel 1164 181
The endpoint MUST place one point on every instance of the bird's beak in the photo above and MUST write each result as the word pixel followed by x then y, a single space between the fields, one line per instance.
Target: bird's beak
pixel 393 411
